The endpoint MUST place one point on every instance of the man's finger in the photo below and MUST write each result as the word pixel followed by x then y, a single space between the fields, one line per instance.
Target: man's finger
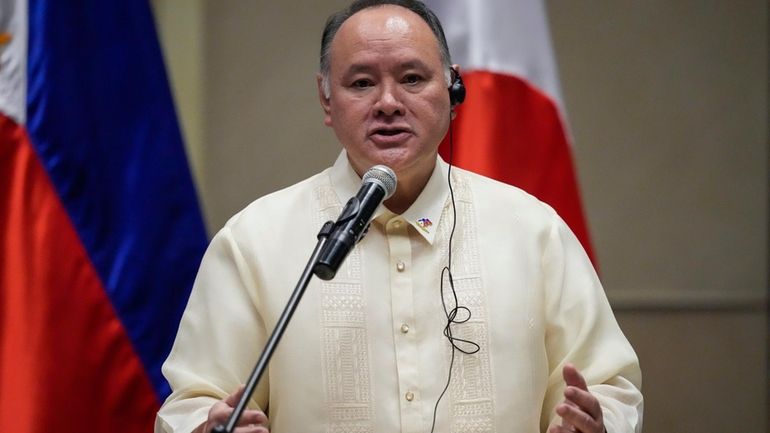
pixel 560 429
pixel 220 412
pixel 252 416
pixel 582 421
pixel 233 398
pixel 251 429
pixel 566 424
pixel 252 421
pixel 573 377
pixel 584 400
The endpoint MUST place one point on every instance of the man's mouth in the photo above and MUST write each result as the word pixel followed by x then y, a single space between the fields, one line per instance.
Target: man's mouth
pixel 389 132
pixel 388 137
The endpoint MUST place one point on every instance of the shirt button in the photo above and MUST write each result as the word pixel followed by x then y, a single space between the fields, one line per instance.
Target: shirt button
pixel 397 224
pixel 409 396
pixel 400 266
pixel 404 328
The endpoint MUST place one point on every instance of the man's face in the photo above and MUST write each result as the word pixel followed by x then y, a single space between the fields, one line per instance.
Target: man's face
pixel 389 102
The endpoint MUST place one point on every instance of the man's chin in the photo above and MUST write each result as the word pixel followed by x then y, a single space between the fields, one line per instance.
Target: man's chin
pixel 397 159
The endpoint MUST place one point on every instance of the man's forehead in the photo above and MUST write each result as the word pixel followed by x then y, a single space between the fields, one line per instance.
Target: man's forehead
pixel 384 18
pixel 396 24
pixel 387 14
pixel 386 22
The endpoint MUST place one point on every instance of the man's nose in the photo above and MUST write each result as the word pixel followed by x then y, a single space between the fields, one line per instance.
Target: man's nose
pixel 388 101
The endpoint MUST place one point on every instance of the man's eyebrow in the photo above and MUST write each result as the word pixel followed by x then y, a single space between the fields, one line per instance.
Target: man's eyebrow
pixel 365 67
pixel 358 67
pixel 414 64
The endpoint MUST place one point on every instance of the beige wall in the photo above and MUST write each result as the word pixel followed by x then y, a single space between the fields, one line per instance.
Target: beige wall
pixel 669 106
pixel 668 103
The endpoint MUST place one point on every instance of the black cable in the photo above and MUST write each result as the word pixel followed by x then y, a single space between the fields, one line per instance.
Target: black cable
pixel 451 314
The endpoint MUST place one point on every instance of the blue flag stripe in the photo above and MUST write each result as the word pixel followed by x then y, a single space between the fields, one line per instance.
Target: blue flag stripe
pixel 101 117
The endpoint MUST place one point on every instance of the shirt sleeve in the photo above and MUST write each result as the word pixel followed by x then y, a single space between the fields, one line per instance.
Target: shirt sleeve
pixel 582 329
pixel 220 337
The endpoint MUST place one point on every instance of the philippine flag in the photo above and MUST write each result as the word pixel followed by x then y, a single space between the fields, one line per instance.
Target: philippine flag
pixel 512 124
pixel 100 229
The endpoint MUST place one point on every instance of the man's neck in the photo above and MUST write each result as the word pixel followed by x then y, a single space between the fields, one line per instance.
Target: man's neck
pixel 407 192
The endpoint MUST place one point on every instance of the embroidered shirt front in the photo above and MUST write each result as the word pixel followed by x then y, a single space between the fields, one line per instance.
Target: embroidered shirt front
pixel 365 353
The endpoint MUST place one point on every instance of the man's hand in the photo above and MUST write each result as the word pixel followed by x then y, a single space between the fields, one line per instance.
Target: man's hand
pixel 252 421
pixel 580 410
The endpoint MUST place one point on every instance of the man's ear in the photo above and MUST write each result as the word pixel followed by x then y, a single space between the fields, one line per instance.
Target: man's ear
pixel 325 102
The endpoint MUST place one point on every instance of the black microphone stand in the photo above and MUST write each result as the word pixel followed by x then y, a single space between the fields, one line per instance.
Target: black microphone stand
pixel 280 327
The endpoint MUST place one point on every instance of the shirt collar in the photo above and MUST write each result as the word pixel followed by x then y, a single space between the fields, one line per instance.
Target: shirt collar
pixel 424 214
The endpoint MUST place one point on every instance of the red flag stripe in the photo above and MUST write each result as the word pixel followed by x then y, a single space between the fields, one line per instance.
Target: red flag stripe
pixel 510 131
pixel 64 350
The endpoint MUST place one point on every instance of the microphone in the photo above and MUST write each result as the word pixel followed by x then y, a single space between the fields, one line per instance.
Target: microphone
pixel 377 185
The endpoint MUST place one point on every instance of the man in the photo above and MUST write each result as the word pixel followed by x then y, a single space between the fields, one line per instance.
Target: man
pixel 367 351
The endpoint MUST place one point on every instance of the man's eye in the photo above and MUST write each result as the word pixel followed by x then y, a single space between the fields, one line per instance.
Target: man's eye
pixel 362 84
pixel 412 79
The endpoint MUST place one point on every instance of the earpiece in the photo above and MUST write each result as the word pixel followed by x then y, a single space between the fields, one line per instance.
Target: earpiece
pixel 456 89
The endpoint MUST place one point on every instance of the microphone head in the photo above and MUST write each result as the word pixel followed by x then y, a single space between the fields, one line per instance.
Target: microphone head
pixel 382 175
